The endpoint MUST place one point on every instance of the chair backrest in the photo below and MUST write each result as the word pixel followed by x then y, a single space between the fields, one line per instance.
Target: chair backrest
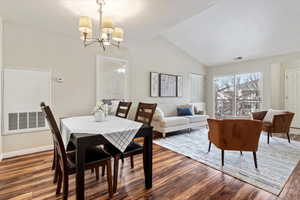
pixel 235 134
pixel 123 109
pixel 282 122
pixel 259 115
pixel 57 140
pixel 145 112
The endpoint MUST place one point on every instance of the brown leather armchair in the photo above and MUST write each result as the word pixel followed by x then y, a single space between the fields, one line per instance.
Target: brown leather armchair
pixel 235 134
pixel 281 123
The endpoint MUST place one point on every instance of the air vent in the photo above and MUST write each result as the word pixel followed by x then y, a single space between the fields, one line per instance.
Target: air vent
pixel 23 120
pixel 32 120
pixel 26 120
pixel 12 121
pixel 41 120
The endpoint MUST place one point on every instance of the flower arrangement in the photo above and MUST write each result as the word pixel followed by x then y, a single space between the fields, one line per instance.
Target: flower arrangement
pixel 100 111
pixel 100 106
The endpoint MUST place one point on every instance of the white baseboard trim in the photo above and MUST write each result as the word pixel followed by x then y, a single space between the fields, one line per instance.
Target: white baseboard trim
pixel 1 157
pixel 25 151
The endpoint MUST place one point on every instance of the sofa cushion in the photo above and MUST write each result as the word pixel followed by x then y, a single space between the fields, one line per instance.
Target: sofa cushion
pixel 196 118
pixel 184 111
pixel 270 114
pixel 158 115
pixel 190 106
pixel 199 108
pixel 174 121
pixel 199 112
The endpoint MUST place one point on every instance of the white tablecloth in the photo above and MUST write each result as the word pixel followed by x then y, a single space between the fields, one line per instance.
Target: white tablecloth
pixel 118 131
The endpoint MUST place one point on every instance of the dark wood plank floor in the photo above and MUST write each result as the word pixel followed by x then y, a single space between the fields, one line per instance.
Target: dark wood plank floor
pixel 174 177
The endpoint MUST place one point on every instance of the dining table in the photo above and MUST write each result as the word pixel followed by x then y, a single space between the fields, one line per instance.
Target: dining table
pixel 82 132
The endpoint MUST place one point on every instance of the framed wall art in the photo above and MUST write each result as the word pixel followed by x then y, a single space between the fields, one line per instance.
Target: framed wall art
pixel 179 86
pixel 168 85
pixel 154 84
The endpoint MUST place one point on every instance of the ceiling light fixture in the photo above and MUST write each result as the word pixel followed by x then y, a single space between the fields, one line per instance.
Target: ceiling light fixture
pixel 109 35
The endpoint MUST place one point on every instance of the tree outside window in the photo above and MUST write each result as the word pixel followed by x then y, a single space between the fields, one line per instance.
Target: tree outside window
pixel 238 95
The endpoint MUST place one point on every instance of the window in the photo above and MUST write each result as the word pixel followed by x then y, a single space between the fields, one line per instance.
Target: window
pixel 238 95
pixel 197 86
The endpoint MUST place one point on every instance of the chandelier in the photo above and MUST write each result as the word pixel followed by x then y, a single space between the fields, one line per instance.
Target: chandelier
pixel 109 35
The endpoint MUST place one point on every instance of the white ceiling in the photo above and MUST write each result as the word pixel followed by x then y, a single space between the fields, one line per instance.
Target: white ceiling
pixel 141 19
pixel 212 31
pixel 232 28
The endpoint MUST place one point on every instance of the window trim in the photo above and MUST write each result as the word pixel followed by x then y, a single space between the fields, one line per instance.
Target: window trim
pixel 235 99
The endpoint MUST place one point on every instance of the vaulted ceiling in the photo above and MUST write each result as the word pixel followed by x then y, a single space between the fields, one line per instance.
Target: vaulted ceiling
pixel 141 19
pixel 232 28
pixel 212 31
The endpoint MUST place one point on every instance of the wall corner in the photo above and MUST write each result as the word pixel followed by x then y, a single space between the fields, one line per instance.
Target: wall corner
pixel 1 65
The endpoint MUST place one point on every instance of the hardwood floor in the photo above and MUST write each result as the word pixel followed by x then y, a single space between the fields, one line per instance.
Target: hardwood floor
pixel 175 177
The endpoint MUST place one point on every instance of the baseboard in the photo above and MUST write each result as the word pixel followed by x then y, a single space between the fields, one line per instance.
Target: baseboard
pixel 25 151
pixel 1 157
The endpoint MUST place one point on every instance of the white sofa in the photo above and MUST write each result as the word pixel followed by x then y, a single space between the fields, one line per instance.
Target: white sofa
pixel 170 122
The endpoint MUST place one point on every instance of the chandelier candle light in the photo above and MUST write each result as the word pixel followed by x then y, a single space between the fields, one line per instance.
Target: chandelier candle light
pixel 108 33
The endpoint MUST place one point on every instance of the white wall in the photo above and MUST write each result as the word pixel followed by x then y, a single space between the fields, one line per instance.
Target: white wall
pixel 273 69
pixel 196 80
pixel 30 47
pixel 1 150
pixel 158 55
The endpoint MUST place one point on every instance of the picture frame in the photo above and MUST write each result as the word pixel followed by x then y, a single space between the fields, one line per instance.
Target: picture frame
pixel 179 86
pixel 167 85
pixel 154 84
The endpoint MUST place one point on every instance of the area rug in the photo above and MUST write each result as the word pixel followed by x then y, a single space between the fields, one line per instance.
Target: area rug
pixel 276 161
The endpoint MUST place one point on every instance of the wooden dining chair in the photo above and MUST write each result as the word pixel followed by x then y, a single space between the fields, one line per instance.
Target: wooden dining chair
pixel 65 161
pixel 144 114
pixel 123 109
pixel 70 147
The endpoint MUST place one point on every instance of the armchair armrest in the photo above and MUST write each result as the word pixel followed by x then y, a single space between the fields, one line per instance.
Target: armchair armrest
pixel 215 132
pixel 259 115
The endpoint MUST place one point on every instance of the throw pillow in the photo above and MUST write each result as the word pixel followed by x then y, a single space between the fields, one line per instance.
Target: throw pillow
pixel 184 111
pixel 198 110
pixel 270 114
pixel 158 115
pixel 190 106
